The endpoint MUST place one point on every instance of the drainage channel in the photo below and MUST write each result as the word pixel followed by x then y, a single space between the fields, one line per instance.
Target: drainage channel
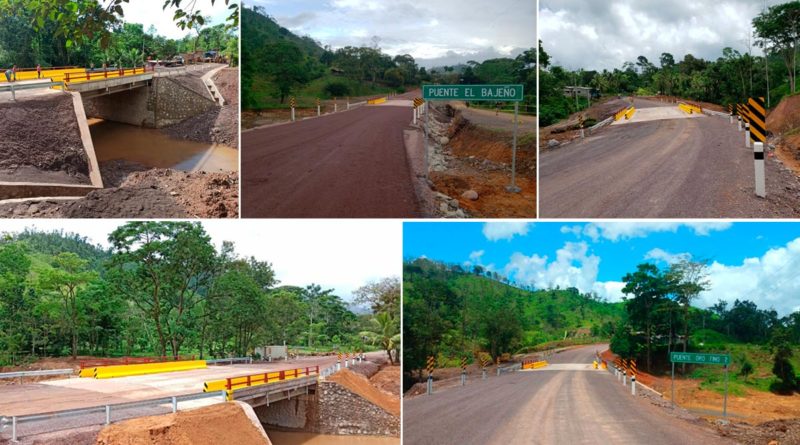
pixel 298 438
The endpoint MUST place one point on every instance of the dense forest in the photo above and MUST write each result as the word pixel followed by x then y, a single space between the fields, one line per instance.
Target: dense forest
pixel 731 78
pixel 163 289
pixel 451 312
pixel 278 64
pixel 36 33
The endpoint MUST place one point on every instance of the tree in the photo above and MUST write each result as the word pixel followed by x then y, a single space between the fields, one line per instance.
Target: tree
pixel 690 278
pixel 67 278
pixel 782 366
pixel 163 267
pixel 284 63
pixel 382 296
pixel 385 331
pixel 778 30
pixel 649 287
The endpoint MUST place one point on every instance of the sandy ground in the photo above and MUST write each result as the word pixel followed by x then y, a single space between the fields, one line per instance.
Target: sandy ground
pixel 202 426
pixel 49 151
pixel 388 380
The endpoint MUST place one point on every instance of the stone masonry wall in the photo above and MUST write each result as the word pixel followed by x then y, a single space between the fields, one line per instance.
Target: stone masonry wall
pixel 127 107
pixel 342 412
pixel 174 103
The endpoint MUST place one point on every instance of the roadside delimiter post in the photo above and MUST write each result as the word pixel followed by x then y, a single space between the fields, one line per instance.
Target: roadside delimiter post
pixel 747 135
pixel 758 155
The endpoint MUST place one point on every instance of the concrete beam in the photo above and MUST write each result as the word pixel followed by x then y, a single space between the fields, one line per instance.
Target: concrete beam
pixel 113 82
pixel 86 138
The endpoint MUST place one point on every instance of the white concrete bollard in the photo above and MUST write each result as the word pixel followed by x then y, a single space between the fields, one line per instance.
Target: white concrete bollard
pixel 463 378
pixel 415 115
pixel 335 107
pixel 740 123
pixel 338 366
pixel 747 135
pixel 731 118
pixel 625 379
pixel 758 155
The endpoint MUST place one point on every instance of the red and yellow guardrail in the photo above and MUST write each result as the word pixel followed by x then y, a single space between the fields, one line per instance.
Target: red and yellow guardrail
pixel 531 364
pixel 690 109
pixel 107 372
pixel 231 384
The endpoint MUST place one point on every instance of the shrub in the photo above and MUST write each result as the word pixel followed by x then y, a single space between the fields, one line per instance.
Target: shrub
pixel 337 89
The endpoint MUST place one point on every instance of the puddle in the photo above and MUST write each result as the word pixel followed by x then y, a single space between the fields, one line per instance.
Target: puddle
pixel 292 438
pixel 154 149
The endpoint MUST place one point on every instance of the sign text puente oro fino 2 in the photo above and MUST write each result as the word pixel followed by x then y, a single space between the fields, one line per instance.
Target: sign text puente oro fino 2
pixel 500 93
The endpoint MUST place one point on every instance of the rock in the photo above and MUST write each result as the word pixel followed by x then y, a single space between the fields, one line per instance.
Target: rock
pixel 444 208
pixel 444 140
pixel 552 143
pixel 472 195
pixel 173 193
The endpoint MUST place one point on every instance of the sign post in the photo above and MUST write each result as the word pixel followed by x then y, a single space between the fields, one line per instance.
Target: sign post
pixel 497 93
pixel 430 365
pixel 702 359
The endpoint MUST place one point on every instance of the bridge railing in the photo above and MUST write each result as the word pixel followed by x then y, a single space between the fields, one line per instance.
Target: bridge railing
pixel 229 361
pixel 264 378
pixel 105 74
pixel 32 424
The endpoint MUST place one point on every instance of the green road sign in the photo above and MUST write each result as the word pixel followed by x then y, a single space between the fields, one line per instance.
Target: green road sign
pixel 699 358
pixel 500 93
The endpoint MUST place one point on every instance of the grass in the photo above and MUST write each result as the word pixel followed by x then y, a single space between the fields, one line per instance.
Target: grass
pixel 306 96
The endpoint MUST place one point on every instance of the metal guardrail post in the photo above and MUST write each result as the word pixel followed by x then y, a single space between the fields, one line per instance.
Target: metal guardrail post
pixel 108 414
pixel 14 429
pixel 224 395
pixel 174 404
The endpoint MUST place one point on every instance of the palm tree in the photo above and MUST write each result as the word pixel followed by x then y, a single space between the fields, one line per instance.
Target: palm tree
pixel 385 331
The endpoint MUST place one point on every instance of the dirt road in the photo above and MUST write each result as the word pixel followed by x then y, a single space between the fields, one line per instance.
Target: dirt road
pixel 554 406
pixel 663 168
pixel 348 164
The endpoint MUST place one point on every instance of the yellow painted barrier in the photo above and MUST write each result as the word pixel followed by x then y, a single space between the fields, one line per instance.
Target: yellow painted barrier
pixel 87 372
pixel 231 384
pixel 690 109
pixel 107 372
pixel 620 114
pixel 629 114
pixel 535 365
pixel 376 101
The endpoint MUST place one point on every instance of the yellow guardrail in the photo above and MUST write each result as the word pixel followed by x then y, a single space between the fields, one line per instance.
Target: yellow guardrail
pixel 620 114
pixel 108 372
pixel 690 109
pixel 535 365
pixel 377 101
pixel 629 114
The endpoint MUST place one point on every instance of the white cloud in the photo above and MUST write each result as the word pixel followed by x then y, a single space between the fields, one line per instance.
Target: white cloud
pixel 476 256
pixel 610 290
pixel 150 13
pixel 573 266
pixel 771 280
pixel 669 258
pixel 616 231
pixel 495 231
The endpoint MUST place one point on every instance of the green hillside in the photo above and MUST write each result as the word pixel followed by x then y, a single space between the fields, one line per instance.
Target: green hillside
pixel 451 312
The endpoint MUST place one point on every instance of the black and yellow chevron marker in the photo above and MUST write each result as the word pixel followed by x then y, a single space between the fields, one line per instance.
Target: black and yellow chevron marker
pixel 431 364
pixel 758 119
pixel 292 102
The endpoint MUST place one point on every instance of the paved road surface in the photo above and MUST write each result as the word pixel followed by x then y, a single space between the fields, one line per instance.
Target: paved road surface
pixel 545 407
pixel 348 164
pixel 667 168
pixel 61 394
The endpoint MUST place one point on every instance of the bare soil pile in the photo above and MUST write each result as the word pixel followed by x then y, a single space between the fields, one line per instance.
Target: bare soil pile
pixel 785 117
pixel 360 385
pixel 42 133
pixel 156 193
pixel 388 380
pixel 222 423
pixel 776 432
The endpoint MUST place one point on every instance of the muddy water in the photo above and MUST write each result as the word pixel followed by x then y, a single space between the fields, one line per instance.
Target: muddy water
pixel 152 148
pixel 287 438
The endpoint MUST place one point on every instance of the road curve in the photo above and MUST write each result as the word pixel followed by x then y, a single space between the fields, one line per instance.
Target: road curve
pixel 674 168
pixel 545 407
pixel 350 164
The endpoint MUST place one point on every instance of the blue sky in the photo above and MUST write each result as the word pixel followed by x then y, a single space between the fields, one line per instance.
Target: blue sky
pixel 434 32
pixel 756 261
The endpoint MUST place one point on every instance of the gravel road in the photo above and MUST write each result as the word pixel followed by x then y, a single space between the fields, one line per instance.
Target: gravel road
pixel 348 164
pixel 675 168
pixel 546 407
